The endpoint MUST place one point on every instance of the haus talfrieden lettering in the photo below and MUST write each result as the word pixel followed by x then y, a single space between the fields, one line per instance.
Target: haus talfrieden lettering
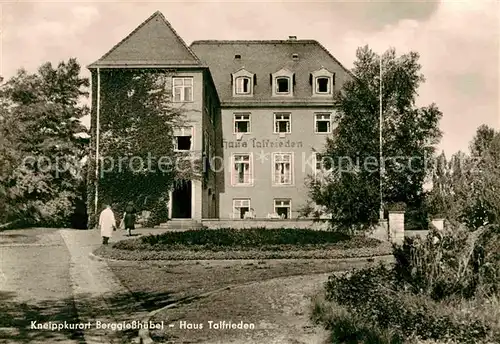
pixel 261 143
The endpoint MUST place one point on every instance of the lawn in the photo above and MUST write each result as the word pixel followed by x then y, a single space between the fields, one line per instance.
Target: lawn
pixel 280 284
pixel 260 243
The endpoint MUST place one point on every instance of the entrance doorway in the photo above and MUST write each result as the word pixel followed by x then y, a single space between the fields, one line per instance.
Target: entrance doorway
pixel 181 201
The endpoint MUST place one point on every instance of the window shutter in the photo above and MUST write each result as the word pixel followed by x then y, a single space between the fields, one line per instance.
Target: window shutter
pixel 271 79
pixel 232 81
pixel 293 79
pixel 310 79
pixel 333 79
pixel 255 79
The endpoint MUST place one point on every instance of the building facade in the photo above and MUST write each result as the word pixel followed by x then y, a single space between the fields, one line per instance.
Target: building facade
pixel 260 111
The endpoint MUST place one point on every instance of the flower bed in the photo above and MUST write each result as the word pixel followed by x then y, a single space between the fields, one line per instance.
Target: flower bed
pixel 246 244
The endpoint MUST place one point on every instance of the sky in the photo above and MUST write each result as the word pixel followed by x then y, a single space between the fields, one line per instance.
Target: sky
pixel 458 41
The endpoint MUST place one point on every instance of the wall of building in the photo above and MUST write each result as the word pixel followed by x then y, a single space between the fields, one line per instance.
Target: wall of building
pixel 264 223
pixel 193 112
pixel 262 142
pixel 211 135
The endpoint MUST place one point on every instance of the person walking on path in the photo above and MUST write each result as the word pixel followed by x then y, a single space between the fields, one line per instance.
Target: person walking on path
pixel 129 218
pixel 107 223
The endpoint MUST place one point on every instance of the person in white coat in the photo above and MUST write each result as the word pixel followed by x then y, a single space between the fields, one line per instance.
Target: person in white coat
pixel 107 224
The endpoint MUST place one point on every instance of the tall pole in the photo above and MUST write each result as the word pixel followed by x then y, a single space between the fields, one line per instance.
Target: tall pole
pixel 97 130
pixel 380 142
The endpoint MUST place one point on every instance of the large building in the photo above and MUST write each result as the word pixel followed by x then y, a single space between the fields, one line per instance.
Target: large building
pixel 261 108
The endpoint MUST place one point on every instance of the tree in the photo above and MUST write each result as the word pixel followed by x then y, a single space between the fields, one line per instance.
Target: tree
pixel 438 200
pixel 138 161
pixel 480 205
pixel 468 191
pixel 41 114
pixel 482 141
pixel 351 192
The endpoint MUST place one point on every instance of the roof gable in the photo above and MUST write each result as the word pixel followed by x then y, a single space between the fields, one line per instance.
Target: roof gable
pixel 153 43
pixel 283 71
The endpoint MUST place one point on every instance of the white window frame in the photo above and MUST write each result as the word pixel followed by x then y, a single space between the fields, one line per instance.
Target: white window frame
pixel 279 156
pixel 322 171
pixel 285 74
pixel 238 88
pixel 316 120
pixel 239 203
pixel 249 120
pixel 289 200
pixel 318 161
pixel 318 74
pixel 250 169
pixel 276 120
pixel 241 74
pixel 289 79
pixel 329 85
pixel 182 89
pixel 184 131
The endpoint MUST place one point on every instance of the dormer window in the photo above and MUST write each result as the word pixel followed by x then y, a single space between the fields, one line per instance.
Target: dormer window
pixel 323 85
pixel 282 85
pixel 243 83
pixel 322 82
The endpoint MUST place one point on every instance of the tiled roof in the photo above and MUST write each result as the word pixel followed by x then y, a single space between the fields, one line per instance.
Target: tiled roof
pixel 264 58
pixel 153 43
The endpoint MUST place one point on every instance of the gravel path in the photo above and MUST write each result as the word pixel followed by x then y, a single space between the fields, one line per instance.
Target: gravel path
pixel 279 309
pixel 35 286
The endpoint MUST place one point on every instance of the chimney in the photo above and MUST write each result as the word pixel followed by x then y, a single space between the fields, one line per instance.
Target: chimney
pixel 292 38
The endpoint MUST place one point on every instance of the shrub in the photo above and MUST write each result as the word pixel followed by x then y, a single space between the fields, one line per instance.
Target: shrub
pixel 349 327
pixel 369 294
pixel 450 263
pixel 442 288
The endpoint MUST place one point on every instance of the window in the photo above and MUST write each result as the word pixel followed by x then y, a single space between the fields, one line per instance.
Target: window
pixel 242 169
pixel 282 123
pixel 282 168
pixel 323 85
pixel 282 85
pixel 183 138
pixel 319 162
pixel 183 143
pixel 240 207
pixel 322 123
pixel 323 166
pixel 243 84
pixel 323 163
pixel 183 89
pixel 283 208
pixel 282 82
pixel 322 82
pixel 241 123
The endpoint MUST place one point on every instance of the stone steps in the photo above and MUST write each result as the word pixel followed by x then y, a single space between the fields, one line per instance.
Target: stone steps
pixel 181 224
